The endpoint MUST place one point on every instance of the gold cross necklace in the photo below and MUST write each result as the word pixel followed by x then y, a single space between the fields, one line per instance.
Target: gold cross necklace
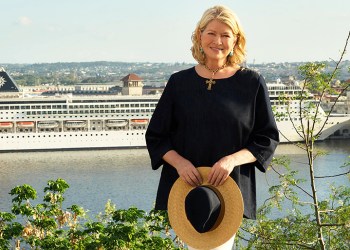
pixel 210 82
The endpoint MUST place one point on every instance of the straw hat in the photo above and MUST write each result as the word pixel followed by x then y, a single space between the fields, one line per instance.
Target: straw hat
pixel 227 223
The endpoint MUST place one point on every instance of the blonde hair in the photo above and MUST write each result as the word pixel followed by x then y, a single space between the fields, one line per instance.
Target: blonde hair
pixel 226 16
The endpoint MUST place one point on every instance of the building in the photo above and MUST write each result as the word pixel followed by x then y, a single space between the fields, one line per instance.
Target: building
pixel 132 85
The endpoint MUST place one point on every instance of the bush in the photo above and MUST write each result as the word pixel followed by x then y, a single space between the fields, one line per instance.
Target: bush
pixel 49 226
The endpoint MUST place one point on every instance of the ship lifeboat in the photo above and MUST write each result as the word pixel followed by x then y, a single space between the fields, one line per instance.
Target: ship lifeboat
pixel 48 124
pixel 6 124
pixel 116 123
pixel 75 124
pixel 139 121
pixel 25 124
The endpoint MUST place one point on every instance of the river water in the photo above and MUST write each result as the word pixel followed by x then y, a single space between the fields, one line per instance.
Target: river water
pixel 125 177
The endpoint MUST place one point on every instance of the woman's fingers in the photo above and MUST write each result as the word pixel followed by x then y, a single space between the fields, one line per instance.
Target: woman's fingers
pixel 218 174
pixel 190 175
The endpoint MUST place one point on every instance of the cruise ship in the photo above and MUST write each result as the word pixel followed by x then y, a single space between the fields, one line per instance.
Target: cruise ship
pixel 68 121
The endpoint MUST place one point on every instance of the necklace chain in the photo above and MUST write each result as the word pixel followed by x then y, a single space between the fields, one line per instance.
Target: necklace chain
pixel 214 71
pixel 210 82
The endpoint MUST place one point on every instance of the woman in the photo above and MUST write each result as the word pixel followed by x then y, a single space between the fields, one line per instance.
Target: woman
pixel 215 114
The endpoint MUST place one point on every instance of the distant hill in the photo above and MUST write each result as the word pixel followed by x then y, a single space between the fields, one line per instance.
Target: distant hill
pixel 151 73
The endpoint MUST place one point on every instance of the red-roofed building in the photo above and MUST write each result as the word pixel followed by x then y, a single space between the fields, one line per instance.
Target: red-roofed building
pixel 132 85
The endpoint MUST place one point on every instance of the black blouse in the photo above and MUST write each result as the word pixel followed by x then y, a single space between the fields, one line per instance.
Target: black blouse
pixel 205 125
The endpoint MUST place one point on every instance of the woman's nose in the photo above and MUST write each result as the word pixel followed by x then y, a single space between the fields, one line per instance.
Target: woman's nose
pixel 217 40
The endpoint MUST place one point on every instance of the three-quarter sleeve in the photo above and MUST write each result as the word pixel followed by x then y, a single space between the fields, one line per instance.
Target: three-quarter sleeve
pixel 158 138
pixel 265 137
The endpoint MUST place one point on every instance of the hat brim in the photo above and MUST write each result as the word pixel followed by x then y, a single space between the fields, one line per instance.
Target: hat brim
pixel 230 218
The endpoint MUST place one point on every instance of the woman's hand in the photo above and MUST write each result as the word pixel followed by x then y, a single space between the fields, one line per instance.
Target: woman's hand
pixel 184 168
pixel 189 173
pixel 221 170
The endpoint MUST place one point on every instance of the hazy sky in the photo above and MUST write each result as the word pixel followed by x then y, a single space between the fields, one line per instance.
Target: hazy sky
pixel 35 31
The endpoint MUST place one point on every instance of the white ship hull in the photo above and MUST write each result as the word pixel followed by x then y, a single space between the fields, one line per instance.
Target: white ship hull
pixel 288 131
pixel 120 139
pixel 114 121
pixel 69 140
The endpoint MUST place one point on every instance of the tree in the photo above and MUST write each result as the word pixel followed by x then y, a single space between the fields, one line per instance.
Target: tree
pixel 312 223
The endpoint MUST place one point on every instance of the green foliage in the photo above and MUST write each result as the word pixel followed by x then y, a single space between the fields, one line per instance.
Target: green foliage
pixel 297 228
pixel 49 226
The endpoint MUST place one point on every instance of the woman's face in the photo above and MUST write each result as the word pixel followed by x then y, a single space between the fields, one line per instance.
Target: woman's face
pixel 217 41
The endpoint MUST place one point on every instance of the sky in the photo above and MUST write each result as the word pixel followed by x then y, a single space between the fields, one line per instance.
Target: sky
pixel 40 31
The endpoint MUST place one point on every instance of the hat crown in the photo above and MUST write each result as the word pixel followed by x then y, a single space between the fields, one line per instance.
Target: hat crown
pixel 202 207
